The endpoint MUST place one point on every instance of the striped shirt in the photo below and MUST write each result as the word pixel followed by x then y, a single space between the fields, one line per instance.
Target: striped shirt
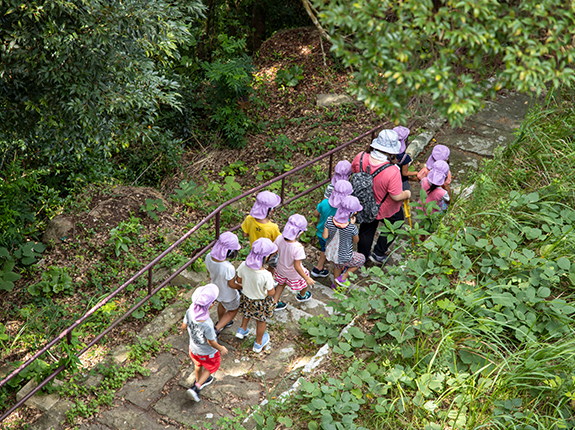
pixel 345 239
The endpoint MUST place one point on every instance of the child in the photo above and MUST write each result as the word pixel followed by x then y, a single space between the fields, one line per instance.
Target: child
pixel 439 153
pixel 258 224
pixel 258 290
pixel 341 233
pixel 204 347
pixel 342 172
pixel 290 270
pixel 404 159
pixel 432 186
pixel 223 274
pixel 327 208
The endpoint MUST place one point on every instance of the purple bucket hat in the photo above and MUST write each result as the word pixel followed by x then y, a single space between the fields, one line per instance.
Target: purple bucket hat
pixel 402 133
pixel 264 201
pixel 342 172
pixel 226 242
pixel 438 173
pixel 202 299
pixel 261 248
pixel 387 141
pixel 348 206
pixel 439 152
pixel 341 190
pixel 296 224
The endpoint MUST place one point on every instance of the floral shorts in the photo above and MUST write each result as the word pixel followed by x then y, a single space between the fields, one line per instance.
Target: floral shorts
pixel 257 309
pixel 357 260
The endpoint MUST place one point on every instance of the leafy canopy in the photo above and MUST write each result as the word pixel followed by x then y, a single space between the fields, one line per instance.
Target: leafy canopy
pixel 458 53
pixel 83 79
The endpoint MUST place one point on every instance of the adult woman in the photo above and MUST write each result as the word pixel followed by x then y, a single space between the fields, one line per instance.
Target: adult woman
pixel 387 189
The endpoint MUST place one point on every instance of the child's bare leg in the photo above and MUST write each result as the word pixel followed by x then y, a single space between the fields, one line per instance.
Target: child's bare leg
pixel 278 293
pixel 221 311
pixel 226 318
pixel 321 261
pixel 336 272
pixel 260 330
pixel 202 377
pixel 349 270
pixel 245 322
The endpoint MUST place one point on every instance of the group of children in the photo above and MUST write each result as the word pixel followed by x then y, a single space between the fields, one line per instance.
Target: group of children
pixel 275 260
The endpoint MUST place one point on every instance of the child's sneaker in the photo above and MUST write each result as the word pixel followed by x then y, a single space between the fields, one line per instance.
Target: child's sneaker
pixel 241 333
pixel 265 340
pixel 208 382
pixel 323 273
pixel 281 306
pixel 339 281
pixel 303 298
pixel 218 331
pixel 193 393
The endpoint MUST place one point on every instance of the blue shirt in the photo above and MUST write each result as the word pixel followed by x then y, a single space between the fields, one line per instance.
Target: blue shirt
pixel 325 211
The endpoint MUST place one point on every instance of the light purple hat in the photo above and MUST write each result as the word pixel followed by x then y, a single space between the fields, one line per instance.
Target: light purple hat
pixel 264 201
pixel 261 248
pixel 227 241
pixel 342 172
pixel 341 190
pixel 402 133
pixel 438 173
pixel 202 299
pixel 439 152
pixel 387 141
pixel 348 206
pixel 296 223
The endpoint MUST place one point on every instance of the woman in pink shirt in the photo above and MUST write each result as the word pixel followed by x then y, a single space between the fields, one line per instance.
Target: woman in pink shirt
pixel 387 189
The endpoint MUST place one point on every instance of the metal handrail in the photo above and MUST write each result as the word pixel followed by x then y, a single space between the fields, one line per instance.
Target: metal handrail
pixel 67 333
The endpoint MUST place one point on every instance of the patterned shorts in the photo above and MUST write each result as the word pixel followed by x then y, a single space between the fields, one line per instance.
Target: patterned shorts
pixel 294 284
pixel 257 309
pixel 357 260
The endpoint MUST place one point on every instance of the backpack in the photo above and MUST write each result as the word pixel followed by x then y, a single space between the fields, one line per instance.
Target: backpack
pixel 362 183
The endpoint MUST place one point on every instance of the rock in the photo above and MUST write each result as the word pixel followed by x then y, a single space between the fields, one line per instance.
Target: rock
pixel 119 354
pixel 58 229
pixel 39 401
pixel 54 418
pixel 334 99
pixel 128 417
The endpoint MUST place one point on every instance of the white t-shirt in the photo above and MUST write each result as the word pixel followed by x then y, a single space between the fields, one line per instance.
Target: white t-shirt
pixel 255 283
pixel 288 253
pixel 221 273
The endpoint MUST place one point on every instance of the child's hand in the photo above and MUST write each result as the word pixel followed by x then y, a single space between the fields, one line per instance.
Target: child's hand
pixel 309 281
pixel 223 350
pixel 352 219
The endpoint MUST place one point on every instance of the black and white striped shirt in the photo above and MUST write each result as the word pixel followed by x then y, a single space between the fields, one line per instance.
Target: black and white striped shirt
pixel 345 239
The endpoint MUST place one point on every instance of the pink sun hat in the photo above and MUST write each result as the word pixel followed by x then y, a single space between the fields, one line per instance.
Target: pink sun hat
pixel 348 206
pixel 438 173
pixel 342 172
pixel 341 190
pixel 226 242
pixel 261 248
pixel 439 153
pixel 402 134
pixel 296 224
pixel 265 201
pixel 202 299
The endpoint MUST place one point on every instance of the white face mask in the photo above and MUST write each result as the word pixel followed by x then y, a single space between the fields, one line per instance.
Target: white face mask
pixel 378 155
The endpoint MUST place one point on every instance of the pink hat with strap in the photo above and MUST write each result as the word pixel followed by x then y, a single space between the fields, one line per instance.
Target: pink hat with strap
pixel 342 172
pixel 341 190
pixel 202 299
pixel 402 133
pixel 265 201
pixel 348 206
pixel 261 248
pixel 438 153
pixel 296 224
pixel 226 242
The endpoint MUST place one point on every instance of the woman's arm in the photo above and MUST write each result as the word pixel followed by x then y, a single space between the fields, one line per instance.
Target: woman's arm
pixel 404 195
pixel 325 233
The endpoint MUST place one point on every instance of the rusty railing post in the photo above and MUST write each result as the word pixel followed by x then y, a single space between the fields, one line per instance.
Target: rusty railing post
pixel 283 189
pixel 150 281
pixel 217 225
pixel 329 172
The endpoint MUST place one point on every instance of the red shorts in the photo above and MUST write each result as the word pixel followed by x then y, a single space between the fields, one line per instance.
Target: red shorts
pixel 212 364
